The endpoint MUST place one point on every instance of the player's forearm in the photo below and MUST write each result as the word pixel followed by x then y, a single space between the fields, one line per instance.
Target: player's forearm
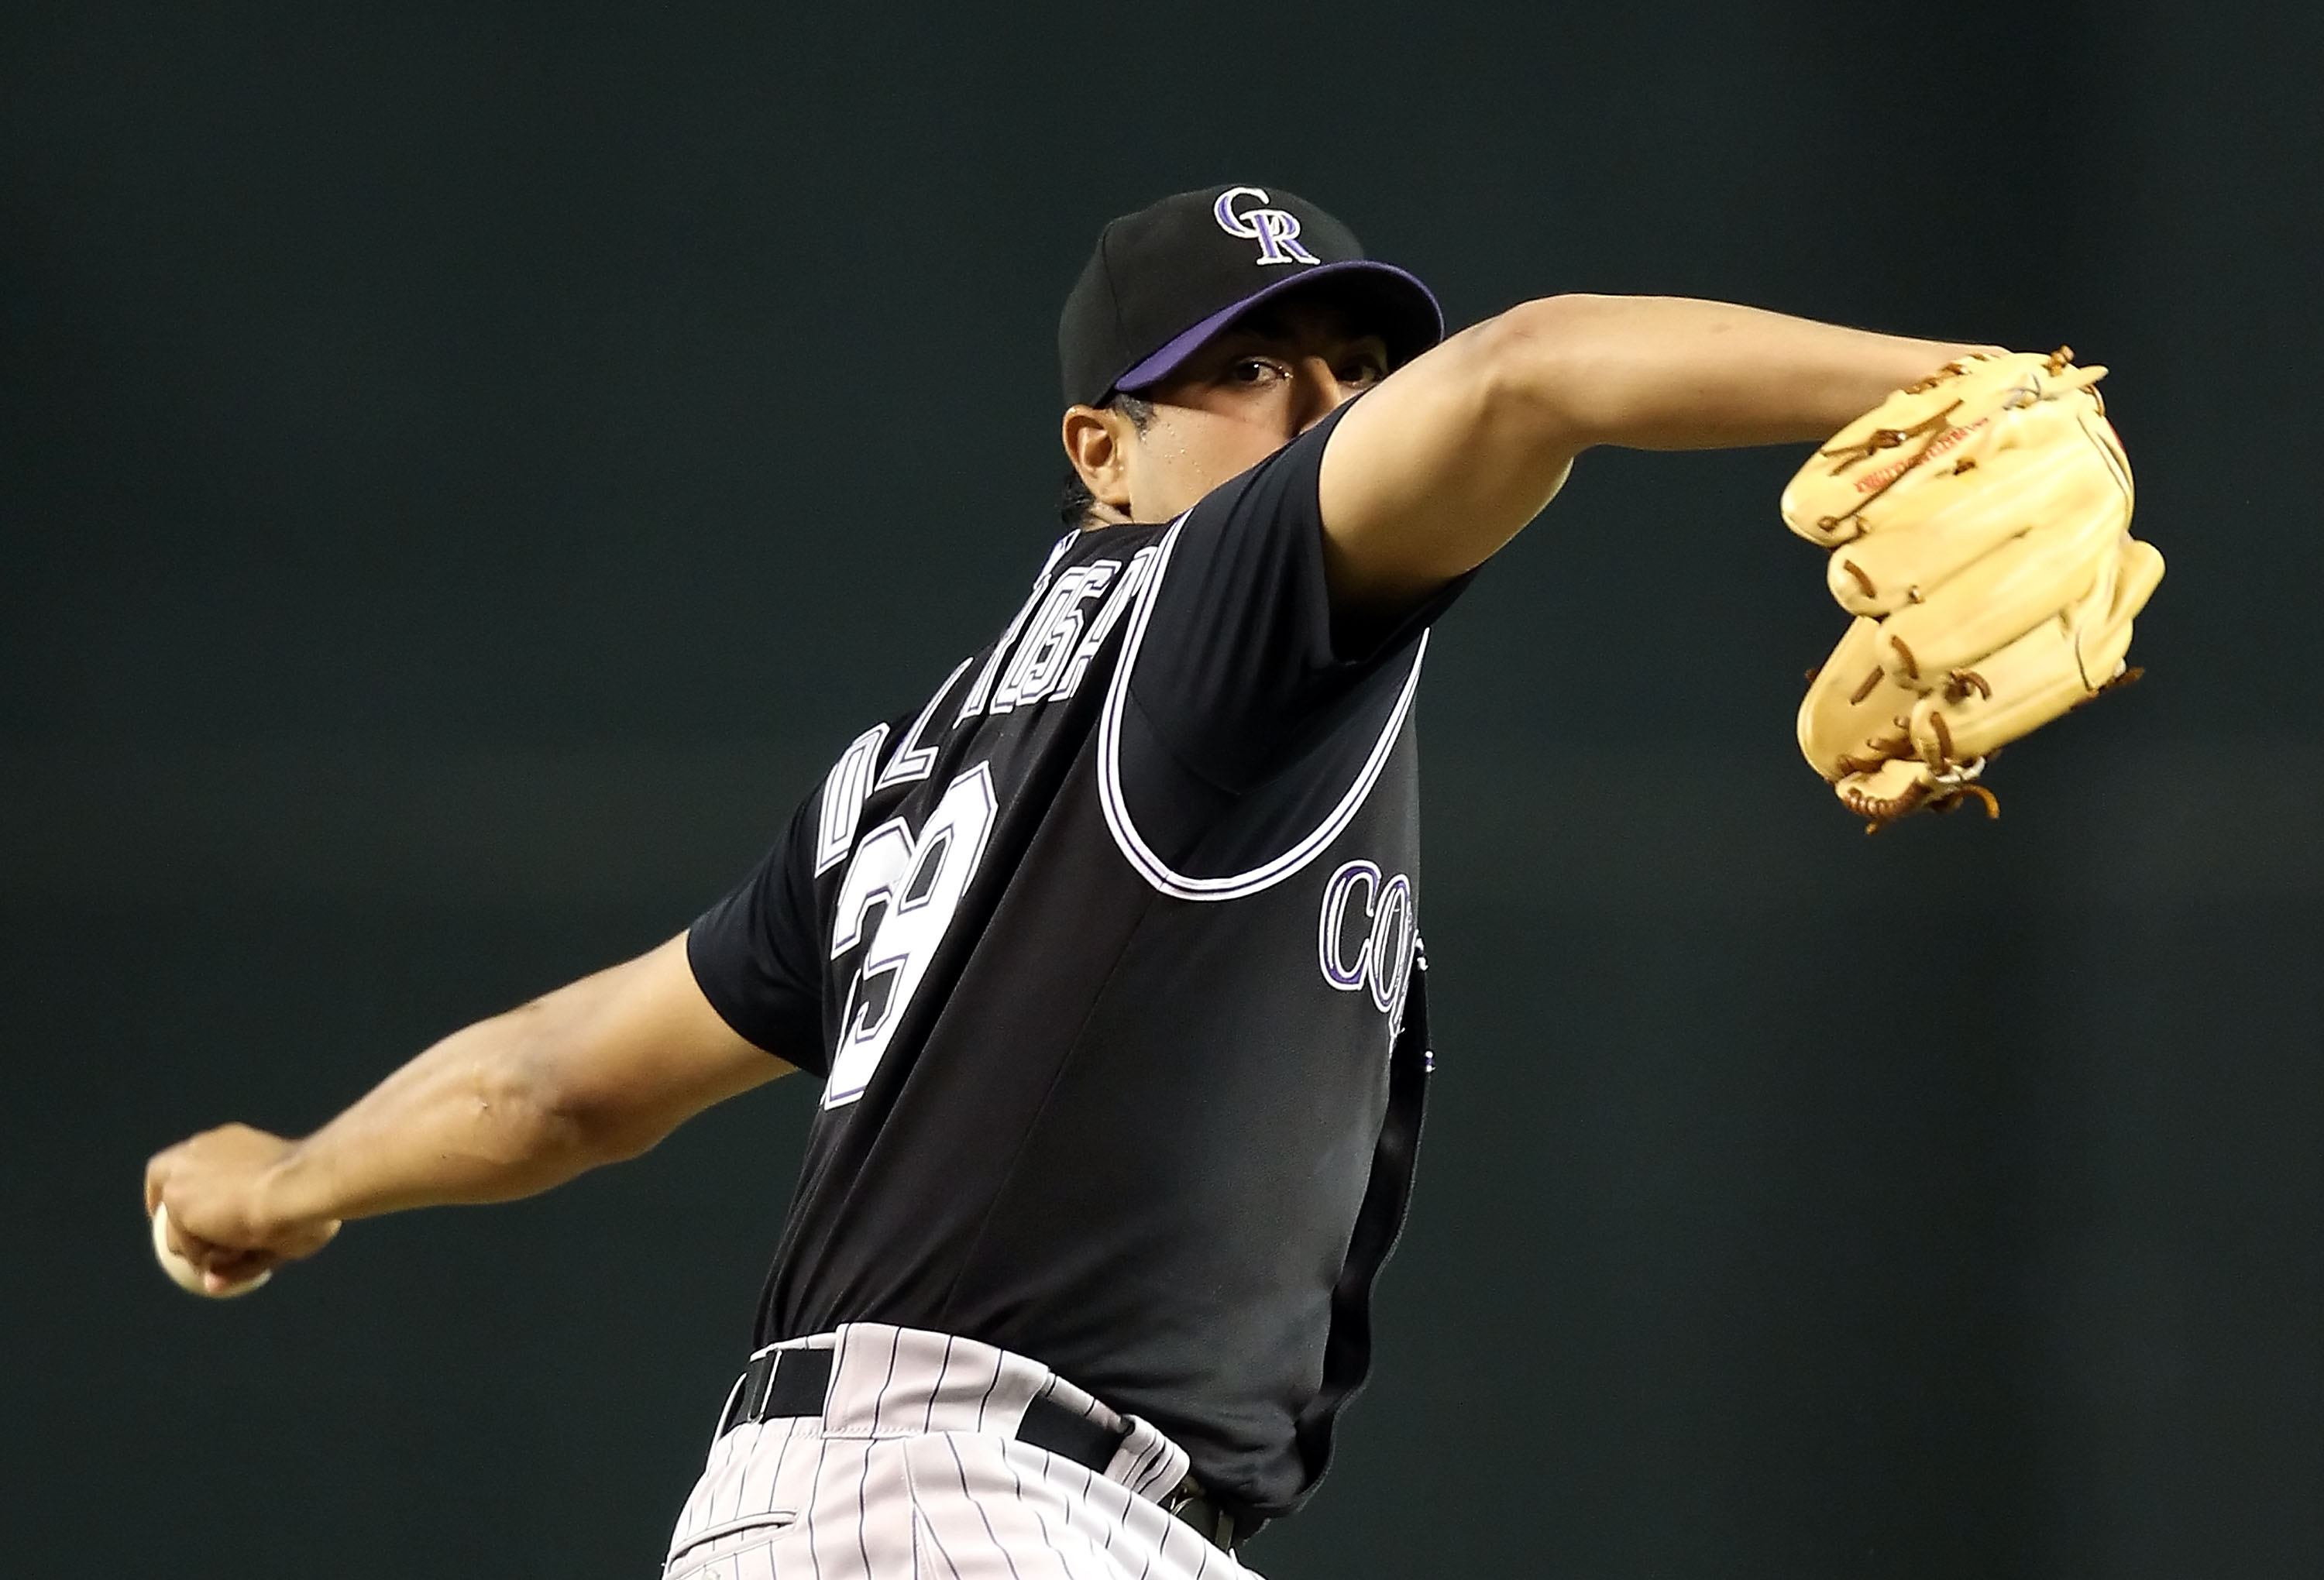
pixel 475 1118
pixel 1674 373
pixel 597 1072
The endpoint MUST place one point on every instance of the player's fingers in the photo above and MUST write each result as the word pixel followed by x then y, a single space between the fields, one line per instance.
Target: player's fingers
pixel 201 1253
pixel 157 1174
pixel 216 1257
pixel 204 1252
pixel 236 1267
pixel 290 1245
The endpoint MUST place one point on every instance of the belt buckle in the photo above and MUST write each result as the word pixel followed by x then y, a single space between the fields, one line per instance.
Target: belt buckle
pixel 1190 1505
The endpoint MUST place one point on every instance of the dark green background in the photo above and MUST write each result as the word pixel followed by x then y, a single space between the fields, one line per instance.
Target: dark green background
pixel 465 469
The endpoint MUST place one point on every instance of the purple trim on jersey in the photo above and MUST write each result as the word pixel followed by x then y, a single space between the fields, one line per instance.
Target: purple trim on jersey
pixel 1163 362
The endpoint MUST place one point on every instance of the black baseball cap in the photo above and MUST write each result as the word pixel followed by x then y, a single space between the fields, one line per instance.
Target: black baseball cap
pixel 1166 278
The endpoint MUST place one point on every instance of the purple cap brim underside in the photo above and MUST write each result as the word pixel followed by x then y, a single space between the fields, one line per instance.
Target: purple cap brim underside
pixel 1179 347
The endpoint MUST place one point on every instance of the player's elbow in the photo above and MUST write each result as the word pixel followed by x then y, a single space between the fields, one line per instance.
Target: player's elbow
pixel 1501 387
pixel 555 1112
pixel 1544 364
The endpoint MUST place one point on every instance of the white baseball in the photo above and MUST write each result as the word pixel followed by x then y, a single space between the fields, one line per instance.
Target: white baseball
pixel 185 1275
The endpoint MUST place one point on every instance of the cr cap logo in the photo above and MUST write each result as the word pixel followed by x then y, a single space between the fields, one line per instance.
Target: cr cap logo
pixel 1276 230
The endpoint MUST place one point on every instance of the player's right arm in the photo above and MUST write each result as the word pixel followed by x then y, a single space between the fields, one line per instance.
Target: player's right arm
pixel 593 1073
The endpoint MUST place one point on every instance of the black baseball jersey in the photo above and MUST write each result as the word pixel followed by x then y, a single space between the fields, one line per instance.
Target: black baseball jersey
pixel 1110 958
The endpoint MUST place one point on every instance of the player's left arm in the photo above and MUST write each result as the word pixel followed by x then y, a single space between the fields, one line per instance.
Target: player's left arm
pixel 1444 462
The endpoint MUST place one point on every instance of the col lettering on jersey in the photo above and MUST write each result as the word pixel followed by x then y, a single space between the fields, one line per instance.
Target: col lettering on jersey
pixel 1388 929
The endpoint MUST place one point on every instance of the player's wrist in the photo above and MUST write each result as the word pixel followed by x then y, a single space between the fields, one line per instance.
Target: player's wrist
pixel 289 1194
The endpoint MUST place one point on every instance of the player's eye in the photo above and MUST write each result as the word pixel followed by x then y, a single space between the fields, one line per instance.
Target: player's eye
pixel 1363 370
pixel 1252 370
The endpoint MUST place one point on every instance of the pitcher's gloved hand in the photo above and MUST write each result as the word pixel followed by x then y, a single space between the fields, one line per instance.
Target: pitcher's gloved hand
pixel 1979 528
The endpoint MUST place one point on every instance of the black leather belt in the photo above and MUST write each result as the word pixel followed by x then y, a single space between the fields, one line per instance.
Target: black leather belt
pixel 795 1382
pixel 780 1382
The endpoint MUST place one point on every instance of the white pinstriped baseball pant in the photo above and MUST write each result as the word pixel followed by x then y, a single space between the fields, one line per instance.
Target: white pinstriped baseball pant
pixel 913 1472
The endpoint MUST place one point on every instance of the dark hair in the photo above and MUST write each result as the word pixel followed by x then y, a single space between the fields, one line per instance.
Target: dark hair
pixel 1076 506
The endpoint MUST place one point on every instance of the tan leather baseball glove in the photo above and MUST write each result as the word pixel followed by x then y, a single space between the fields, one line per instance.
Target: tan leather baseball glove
pixel 1978 523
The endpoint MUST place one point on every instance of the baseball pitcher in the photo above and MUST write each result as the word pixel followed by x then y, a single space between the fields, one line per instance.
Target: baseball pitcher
pixel 1107 948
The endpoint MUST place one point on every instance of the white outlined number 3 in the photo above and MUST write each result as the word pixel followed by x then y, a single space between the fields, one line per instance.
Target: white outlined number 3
pixel 896 902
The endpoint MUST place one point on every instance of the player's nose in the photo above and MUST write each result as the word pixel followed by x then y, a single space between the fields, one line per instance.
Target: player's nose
pixel 1318 389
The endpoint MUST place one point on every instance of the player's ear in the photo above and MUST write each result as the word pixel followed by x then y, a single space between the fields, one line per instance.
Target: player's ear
pixel 1097 443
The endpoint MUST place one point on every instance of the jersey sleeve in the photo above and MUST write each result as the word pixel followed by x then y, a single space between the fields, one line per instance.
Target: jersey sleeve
pixel 754 953
pixel 1241 662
